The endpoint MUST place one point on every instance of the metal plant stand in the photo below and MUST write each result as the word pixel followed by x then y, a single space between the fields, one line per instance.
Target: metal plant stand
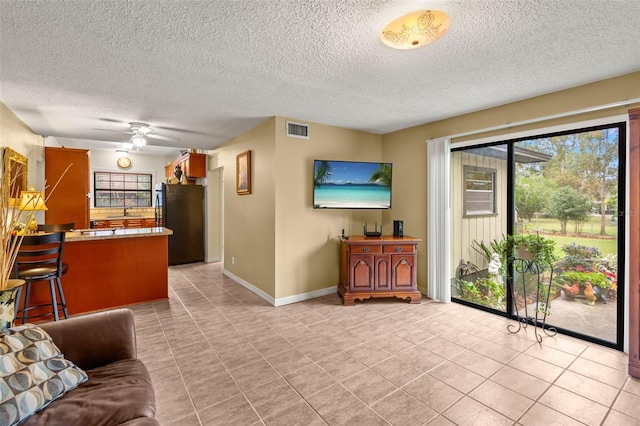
pixel 524 267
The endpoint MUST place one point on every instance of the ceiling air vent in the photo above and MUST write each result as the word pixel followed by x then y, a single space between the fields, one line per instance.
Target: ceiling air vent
pixel 297 130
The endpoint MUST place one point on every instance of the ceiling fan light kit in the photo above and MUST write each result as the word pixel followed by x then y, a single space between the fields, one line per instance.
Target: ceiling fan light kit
pixel 415 29
pixel 138 140
pixel 141 134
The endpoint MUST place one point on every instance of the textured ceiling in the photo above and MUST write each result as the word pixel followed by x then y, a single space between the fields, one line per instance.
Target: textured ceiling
pixel 205 71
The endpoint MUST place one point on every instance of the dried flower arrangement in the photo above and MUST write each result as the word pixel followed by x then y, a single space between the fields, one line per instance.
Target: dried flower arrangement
pixel 12 219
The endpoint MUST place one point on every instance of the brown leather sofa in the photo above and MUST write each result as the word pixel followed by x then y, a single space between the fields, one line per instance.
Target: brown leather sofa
pixel 119 388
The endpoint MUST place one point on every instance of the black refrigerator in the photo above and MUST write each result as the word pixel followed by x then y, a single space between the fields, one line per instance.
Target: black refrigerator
pixel 183 212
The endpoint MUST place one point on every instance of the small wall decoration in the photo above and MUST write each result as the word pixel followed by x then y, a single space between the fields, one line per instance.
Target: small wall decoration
pixel 15 172
pixel 243 173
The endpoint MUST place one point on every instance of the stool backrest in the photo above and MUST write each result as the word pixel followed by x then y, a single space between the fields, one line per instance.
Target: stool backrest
pixel 41 249
pixel 56 227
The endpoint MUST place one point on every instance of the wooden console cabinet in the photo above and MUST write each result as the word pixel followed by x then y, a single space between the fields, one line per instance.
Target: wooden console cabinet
pixel 378 267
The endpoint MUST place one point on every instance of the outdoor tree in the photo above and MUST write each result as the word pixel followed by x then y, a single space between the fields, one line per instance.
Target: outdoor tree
pixel 586 162
pixel 597 162
pixel 532 195
pixel 567 204
pixel 562 166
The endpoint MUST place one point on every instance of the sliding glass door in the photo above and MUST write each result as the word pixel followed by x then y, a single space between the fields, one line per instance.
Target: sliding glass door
pixel 568 190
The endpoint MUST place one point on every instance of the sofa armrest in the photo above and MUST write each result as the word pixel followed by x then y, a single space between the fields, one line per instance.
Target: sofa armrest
pixel 95 339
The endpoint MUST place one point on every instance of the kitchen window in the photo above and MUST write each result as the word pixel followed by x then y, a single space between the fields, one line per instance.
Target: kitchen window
pixel 479 191
pixel 122 189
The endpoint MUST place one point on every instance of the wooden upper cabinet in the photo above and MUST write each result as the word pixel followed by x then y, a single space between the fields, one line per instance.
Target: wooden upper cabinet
pixel 193 166
pixel 69 201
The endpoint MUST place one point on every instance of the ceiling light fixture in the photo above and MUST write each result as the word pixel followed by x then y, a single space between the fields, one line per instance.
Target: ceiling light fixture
pixel 138 140
pixel 415 29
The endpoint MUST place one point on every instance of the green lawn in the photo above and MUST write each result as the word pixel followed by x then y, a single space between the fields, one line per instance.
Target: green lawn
pixel 591 226
pixel 605 246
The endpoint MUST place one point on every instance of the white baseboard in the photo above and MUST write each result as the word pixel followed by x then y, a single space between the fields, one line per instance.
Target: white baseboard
pixel 306 296
pixel 250 287
pixel 283 300
pixel 213 259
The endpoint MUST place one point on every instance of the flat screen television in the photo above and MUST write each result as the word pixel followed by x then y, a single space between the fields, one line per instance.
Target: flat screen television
pixel 351 185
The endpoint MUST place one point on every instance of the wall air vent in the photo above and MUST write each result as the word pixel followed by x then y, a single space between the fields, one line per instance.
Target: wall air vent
pixel 297 130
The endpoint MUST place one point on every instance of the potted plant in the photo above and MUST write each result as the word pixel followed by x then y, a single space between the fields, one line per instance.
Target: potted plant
pixel 530 247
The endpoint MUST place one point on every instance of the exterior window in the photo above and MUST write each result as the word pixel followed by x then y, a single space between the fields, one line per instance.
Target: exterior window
pixel 122 189
pixel 479 191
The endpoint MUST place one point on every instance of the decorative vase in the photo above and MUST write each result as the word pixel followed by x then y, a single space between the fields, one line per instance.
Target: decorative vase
pixel 178 173
pixel 8 302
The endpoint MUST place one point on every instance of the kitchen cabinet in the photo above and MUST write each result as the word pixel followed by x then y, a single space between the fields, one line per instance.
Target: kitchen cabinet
pixel 378 267
pixel 126 223
pixel 193 166
pixel 69 202
pixel 150 223
pixel 109 271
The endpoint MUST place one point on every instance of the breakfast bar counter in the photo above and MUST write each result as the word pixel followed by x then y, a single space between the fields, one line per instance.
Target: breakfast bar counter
pixel 112 267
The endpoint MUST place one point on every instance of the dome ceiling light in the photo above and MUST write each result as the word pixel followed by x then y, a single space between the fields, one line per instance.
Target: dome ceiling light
pixel 415 29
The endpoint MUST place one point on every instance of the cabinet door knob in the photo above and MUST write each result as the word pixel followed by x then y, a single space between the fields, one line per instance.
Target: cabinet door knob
pixel 365 249
pixel 398 248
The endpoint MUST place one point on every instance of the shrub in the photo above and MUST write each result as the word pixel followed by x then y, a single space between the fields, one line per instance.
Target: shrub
pixel 580 257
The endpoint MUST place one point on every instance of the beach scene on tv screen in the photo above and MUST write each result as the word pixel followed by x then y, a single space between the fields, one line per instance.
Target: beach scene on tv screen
pixel 351 185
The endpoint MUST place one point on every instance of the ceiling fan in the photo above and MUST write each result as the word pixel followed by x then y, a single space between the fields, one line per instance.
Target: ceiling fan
pixel 140 133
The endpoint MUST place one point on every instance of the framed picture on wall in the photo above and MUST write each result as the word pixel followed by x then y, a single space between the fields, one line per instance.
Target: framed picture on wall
pixel 243 173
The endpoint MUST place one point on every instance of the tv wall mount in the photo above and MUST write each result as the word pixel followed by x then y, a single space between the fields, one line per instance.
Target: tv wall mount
pixel 373 233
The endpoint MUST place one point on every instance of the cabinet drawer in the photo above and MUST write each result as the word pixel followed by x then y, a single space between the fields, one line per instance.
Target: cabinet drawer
pixel 149 223
pixel 365 249
pixel 134 223
pixel 399 248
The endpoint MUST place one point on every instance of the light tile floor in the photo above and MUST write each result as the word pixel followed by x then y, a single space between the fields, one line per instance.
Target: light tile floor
pixel 220 355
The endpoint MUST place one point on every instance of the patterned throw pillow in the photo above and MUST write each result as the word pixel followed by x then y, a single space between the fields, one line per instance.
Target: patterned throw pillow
pixel 33 373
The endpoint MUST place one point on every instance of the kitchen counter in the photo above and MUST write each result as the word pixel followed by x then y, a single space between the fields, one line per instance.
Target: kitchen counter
pixel 109 268
pixel 114 233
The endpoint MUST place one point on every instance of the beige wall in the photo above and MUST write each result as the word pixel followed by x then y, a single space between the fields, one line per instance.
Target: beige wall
pixel 407 151
pixel 306 239
pixel 281 245
pixel 17 136
pixel 249 220
pixel 214 212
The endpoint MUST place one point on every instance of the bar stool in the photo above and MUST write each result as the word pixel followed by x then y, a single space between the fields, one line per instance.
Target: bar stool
pixel 56 227
pixel 40 259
